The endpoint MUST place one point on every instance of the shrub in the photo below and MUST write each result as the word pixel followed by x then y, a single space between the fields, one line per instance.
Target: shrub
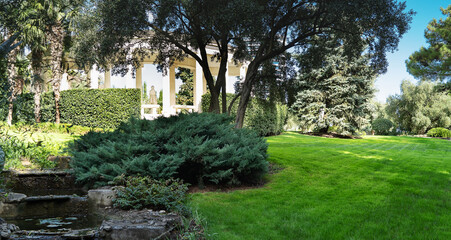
pixel 145 192
pixel 103 108
pixel 382 126
pixel 196 148
pixel 439 132
pixel 262 116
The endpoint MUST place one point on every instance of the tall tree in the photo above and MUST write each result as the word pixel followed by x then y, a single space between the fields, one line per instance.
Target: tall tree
pixel 56 15
pixel 420 107
pixel 279 25
pixel 336 91
pixel 253 30
pixel 179 29
pixel 434 62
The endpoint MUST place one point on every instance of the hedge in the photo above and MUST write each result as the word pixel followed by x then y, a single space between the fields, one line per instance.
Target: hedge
pixel 263 116
pixel 103 108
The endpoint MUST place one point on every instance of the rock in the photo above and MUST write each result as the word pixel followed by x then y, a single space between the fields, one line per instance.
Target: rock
pixel 139 225
pixel 14 197
pixel 62 162
pixel 102 197
pixel 7 229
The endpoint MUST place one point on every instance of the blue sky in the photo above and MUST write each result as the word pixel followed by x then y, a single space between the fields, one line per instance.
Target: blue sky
pixel 426 10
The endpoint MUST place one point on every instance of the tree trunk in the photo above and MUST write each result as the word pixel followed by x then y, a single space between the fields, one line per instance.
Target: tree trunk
pixel 37 82
pixel 12 75
pixel 214 101
pixel 245 94
pixel 56 52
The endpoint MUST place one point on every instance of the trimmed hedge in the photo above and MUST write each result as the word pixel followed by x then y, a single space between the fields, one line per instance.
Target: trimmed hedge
pixel 262 116
pixel 103 108
pixel 197 148
pixel 439 132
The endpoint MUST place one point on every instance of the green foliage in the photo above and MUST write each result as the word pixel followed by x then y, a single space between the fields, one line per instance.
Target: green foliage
pixel 434 62
pixel 420 107
pixel 17 148
pixel 144 192
pixel 262 116
pixel 334 91
pixel 24 105
pixel 382 126
pixel 103 108
pixel 198 148
pixel 185 94
pixel 439 132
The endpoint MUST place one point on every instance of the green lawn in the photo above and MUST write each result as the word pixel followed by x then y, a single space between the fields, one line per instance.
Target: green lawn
pixel 372 188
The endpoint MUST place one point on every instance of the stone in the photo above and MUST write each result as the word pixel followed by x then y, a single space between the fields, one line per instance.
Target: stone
pixel 62 162
pixel 6 229
pixel 14 197
pixel 102 197
pixel 139 225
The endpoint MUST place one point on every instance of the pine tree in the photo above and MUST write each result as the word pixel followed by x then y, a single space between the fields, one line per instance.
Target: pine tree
pixel 334 91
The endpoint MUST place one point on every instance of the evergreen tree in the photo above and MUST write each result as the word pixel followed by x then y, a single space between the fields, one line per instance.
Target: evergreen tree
pixel 185 94
pixel 334 91
pixel 434 62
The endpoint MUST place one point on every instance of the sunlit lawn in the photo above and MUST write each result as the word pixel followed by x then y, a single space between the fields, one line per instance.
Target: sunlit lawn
pixel 372 188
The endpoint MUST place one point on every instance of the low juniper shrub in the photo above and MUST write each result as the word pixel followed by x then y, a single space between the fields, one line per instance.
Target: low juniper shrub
pixel 197 148
pixel 144 192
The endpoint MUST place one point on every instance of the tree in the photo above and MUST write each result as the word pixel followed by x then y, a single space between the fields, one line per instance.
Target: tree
pixel 179 28
pixel 56 15
pixel 185 94
pixel 434 62
pixel 284 24
pixel 254 30
pixel 335 92
pixel 11 24
pixel 420 107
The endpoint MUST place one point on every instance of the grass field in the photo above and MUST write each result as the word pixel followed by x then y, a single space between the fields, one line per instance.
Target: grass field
pixel 372 188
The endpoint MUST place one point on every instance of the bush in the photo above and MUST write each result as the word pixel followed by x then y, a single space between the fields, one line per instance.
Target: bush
pixel 196 148
pixel 145 192
pixel 103 108
pixel 262 116
pixel 439 132
pixel 382 126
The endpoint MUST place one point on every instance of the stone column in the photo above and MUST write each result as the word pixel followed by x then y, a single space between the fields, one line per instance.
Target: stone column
pixel 172 86
pixel 94 76
pixel 139 77
pixel 166 94
pixel 198 87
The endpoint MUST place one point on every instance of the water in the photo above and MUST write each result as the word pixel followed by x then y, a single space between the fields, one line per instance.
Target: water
pixel 58 224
